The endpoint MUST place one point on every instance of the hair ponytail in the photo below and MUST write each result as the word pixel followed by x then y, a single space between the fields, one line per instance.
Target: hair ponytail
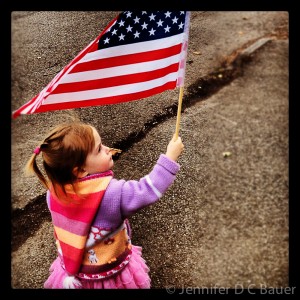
pixel 32 168
pixel 64 148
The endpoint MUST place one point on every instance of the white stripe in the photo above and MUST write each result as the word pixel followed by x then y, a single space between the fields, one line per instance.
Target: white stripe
pixel 32 107
pixel 121 70
pixel 111 91
pixel 155 190
pixel 27 109
pixel 134 48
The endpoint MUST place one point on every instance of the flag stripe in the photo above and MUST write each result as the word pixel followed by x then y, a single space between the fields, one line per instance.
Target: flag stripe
pixel 115 81
pixel 107 100
pixel 25 108
pixel 142 47
pixel 121 70
pixel 126 59
pixel 110 91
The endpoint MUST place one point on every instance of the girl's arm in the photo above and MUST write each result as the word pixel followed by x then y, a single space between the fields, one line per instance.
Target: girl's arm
pixel 136 195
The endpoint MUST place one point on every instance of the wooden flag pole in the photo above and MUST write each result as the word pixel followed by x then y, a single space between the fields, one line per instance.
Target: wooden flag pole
pixel 179 112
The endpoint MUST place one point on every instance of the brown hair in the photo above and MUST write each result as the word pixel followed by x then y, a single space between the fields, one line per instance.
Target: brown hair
pixel 64 148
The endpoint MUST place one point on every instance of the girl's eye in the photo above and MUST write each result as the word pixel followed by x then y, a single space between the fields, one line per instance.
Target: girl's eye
pixel 99 149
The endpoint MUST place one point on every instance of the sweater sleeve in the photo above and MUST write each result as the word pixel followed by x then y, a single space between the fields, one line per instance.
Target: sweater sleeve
pixel 136 195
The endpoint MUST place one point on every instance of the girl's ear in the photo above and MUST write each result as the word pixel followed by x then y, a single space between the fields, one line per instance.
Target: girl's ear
pixel 79 173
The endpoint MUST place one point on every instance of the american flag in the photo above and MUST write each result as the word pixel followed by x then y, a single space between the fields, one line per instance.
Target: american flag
pixel 139 54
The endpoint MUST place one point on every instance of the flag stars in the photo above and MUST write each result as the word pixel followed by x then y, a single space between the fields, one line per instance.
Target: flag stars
pixel 129 28
pixel 121 37
pixel 144 26
pixel 159 23
pixel 175 20
pixel 168 14
pixel 136 34
pixel 152 31
pixel 167 29
pixel 152 17
pixel 132 27
pixel 136 20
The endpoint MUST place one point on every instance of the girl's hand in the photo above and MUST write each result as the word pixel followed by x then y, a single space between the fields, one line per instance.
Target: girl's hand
pixel 175 148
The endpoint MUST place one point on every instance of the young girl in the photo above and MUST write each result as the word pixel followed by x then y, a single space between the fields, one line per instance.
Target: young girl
pixel 90 209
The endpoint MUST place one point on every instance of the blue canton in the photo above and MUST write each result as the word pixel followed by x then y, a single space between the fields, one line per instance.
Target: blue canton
pixel 140 26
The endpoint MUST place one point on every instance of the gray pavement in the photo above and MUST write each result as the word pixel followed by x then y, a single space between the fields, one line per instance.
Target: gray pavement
pixel 225 221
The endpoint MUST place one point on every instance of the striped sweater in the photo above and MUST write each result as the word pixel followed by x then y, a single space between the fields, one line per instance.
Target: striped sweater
pixel 110 226
pixel 72 220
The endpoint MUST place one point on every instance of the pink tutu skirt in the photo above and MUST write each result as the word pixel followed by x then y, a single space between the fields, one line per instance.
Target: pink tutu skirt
pixel 133 276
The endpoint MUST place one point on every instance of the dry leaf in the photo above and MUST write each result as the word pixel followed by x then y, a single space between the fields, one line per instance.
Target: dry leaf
pixel 226 154
pixel 115 151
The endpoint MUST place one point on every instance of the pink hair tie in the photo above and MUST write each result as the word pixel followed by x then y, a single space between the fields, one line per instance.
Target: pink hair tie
pixel 37 150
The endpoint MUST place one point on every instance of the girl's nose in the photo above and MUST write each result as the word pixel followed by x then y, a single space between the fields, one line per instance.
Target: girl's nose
pixel 107 149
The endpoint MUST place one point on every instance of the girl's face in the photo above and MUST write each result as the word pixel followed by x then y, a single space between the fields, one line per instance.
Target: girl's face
pixel 99 159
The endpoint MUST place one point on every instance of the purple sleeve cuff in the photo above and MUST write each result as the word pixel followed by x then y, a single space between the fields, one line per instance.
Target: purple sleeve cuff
pixel 138 194
pixel 163 173
pixel 170 165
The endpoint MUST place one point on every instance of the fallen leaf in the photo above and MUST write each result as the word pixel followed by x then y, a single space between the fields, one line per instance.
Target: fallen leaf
pixel 115 151
pixel 226 154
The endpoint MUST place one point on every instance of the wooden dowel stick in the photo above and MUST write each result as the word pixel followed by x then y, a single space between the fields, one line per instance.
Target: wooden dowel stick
pixel 179 112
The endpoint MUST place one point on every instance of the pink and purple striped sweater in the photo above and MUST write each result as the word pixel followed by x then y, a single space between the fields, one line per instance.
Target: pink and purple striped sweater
pixel 93 239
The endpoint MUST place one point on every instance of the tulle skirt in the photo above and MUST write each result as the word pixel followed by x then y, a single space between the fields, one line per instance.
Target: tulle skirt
pixel 135 275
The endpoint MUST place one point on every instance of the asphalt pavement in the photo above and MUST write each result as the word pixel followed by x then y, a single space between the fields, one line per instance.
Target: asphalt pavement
pixel 225 220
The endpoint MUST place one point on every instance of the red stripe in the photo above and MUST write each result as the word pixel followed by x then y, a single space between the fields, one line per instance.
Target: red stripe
pixel 72 257
pixel 109 100
pixel 114 81
pixel 126 59
pixel 19 111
